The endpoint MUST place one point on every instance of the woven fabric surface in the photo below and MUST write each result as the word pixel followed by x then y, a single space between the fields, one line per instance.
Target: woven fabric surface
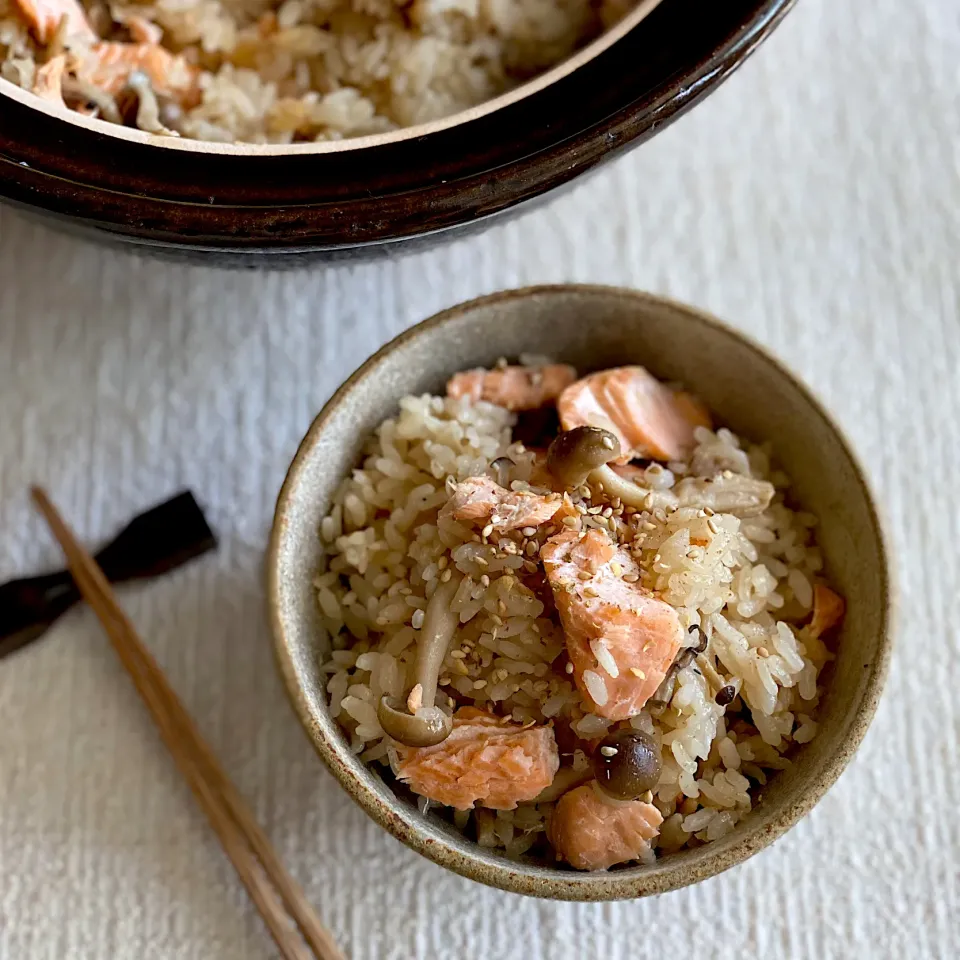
pixel 813 201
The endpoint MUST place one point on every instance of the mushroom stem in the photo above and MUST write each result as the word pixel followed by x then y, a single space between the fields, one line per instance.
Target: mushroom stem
pixel 439 624
pixel 630 493
pixel 742 496
pixel 423 724
pixel 500 470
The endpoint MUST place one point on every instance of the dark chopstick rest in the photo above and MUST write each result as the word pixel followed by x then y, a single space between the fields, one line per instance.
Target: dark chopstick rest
pixel 160 540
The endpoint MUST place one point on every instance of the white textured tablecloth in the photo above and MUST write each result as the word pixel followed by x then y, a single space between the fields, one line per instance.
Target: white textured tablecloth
pixel 814 201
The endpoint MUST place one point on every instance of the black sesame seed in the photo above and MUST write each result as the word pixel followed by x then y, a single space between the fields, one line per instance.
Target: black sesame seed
pixel 726 694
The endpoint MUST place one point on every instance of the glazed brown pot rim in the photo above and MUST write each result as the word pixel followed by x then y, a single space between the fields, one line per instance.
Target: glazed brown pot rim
pixel 396 191
pixel 698 864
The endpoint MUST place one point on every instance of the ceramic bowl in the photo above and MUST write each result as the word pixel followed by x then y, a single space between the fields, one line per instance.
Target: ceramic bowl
pixel 263 204
pixel 747 390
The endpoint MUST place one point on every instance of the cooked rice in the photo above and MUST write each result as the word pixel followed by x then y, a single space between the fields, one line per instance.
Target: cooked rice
pixel 304 70
pixel 746 584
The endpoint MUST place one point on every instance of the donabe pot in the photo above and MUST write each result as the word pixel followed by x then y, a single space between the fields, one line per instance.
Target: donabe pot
pixel 264 204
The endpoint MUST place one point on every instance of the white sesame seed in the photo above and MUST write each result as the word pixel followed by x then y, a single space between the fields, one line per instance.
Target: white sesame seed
pixel 484 580
pixel 416 621
pixel 445 576
pixel 607 442
pixel 568 668
pixel 479 684
pixel 609 751
pixel 637 672
pixel 487 530
pixel 528 531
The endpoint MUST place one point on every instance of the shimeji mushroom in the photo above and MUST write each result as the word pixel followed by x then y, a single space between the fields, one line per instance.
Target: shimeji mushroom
pixel 584 453
pixel 422 724
pixel 627 764
pixel 726 493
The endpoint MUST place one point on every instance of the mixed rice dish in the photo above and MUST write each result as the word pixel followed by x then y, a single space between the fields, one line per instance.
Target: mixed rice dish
pixel 572 616
pixel 265 71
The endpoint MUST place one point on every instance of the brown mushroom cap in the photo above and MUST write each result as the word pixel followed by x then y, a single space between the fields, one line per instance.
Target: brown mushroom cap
pixel 575 454
pixel 627 764
pixel 425 728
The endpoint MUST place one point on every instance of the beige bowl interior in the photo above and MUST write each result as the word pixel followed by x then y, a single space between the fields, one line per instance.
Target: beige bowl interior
pixel 747 390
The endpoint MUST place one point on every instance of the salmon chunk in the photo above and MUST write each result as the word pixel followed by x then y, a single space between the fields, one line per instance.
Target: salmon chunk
pixel 516 388
pixel 43 17
pixel 485 760
pixel 110 64
pixel 620 639
pixel 593 834
pixel 479 500
pixel 649 419
pixel 828 610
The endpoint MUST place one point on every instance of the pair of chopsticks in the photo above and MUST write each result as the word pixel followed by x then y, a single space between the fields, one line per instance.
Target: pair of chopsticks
pixel 274 892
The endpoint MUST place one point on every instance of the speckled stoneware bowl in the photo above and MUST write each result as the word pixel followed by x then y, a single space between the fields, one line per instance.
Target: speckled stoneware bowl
pixel 746 389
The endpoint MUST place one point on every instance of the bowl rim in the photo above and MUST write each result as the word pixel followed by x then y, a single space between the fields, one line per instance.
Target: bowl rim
pixel 519 877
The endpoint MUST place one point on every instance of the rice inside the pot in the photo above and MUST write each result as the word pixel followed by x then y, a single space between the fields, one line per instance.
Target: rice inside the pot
pixel 301 70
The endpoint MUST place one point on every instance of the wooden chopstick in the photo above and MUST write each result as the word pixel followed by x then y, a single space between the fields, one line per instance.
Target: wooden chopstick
pixel 273 891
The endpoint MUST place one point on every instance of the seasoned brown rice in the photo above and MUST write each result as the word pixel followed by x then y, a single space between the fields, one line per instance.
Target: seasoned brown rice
pixel 747 584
